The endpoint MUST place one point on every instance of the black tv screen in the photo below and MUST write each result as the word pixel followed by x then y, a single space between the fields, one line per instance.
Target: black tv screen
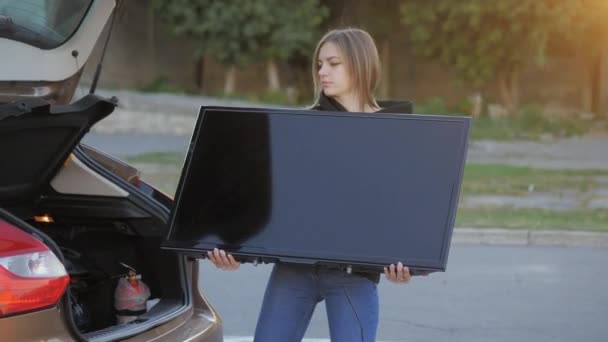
pixel 348 189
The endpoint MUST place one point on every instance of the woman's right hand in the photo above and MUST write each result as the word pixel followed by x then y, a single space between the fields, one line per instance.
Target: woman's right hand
pixel 222 260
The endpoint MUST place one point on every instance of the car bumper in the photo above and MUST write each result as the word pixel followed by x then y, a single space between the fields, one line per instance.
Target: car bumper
pixel 200 322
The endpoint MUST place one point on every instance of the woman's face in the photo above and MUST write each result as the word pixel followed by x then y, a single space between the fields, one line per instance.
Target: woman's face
pixel 332 72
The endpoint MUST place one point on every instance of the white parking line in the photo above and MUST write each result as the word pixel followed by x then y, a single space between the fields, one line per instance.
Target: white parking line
pixel 250 339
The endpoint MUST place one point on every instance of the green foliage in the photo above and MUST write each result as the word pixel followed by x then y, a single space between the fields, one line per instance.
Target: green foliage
pixel 496 179
pixel 435 105
pixel 463 107
pixel 529 123
pixel 273 97
pixel 231 31
pixel 533 218
pixel 296 28
pixel 588 29
pixel 479 38
pixel 244 32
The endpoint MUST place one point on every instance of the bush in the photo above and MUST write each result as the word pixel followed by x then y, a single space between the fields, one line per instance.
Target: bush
pixel 530 123
pixel 464 106
pixel 274 97
pixel 435 105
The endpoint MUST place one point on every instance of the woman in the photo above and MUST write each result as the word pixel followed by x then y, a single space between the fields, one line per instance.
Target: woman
pixel 346 71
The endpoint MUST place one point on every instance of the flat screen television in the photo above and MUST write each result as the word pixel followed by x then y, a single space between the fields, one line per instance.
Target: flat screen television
pixel 352 190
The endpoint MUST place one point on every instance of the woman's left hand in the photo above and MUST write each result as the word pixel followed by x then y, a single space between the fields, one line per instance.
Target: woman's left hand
pixel 398 274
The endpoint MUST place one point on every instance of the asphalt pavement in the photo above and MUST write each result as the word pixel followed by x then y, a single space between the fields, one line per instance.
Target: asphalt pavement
pixel 488 293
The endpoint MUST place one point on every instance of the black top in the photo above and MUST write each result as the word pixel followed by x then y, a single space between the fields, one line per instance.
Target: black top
pixel 402 107
pixel 387 106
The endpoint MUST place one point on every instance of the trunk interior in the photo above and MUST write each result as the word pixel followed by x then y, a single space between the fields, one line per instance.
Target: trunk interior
pixel 97 218
pixel 94 249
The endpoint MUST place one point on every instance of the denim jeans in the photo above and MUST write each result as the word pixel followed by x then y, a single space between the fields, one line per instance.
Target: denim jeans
pixel 293 291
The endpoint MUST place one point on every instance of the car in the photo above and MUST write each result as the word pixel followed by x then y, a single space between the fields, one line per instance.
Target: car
pixel 76 222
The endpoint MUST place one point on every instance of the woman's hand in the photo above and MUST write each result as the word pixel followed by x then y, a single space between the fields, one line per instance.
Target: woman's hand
pixel 398 274
pixel 222 260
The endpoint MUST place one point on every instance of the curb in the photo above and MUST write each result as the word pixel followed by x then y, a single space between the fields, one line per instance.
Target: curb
pixel 524 237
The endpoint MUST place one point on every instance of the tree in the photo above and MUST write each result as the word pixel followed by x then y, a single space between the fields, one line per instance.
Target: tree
pixel 239 33
pixel 588 39
pixel 380 19
pixel 483 41
pixel 232 32
pixel 294 32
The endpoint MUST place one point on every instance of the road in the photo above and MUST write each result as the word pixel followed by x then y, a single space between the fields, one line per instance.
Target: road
pixel 497 293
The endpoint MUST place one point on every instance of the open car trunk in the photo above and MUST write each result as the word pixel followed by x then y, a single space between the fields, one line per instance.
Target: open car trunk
pixel 95 229
pixel 93 250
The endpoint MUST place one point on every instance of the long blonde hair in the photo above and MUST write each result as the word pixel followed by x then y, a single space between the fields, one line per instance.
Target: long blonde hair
pixel 361 61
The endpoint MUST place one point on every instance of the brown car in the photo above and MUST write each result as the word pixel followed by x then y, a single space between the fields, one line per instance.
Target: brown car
pixel 75 223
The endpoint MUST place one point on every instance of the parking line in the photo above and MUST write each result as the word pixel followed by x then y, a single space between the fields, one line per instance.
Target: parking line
pixel 250 339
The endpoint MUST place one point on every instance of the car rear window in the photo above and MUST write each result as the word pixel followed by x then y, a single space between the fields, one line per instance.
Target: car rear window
pixel 44 24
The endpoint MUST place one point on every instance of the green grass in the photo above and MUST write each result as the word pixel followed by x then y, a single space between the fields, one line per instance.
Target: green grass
pixel 526 128
pixel 487 179
pixel 512 180
pixel 163 170
pixel 516 181
pixel 579 219
pixel 528 123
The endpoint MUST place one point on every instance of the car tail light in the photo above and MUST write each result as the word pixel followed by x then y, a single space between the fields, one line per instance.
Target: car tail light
pixel 31 276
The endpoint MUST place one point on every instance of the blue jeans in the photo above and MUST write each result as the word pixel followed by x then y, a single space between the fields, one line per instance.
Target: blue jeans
pixel 293 291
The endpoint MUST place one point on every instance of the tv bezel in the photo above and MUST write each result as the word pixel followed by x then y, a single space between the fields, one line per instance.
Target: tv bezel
pixel 248 254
